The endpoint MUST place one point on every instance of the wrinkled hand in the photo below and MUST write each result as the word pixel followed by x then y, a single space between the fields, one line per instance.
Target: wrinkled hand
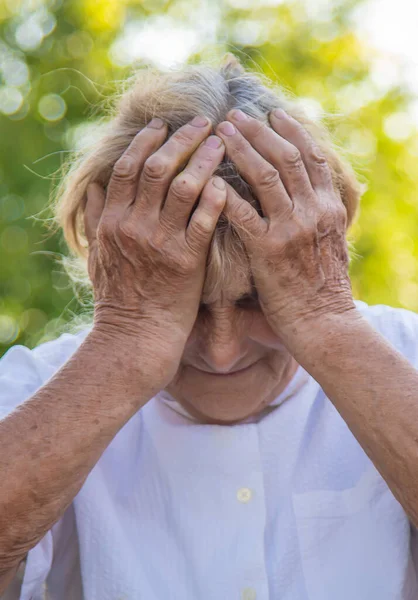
pixel 148 247
pixel 298 251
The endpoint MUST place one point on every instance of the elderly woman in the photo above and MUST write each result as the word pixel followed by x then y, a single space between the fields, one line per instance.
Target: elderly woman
pixel 233 424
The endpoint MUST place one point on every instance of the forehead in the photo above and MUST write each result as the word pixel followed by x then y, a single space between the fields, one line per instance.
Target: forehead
pixel 228 284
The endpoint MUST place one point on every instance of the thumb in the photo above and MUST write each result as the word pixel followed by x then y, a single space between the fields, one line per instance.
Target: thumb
pixel 244 217
pixel 96 198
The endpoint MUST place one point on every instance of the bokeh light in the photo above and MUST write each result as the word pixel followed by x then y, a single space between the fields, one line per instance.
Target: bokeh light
pixel 12 207
pixel 398 126
pixel 14 240
pixel 33 320
pixel 11 99
pixel 161 41
pixel 9 329
pixel 52 107
pixel 33 28
pixel 15 72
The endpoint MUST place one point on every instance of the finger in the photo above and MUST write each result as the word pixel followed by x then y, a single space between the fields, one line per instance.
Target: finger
pixel 205 217
pixel 187 186
pixel 257 171
pixel 122 187
pixel 313 158
pixel 160 168
pixel 280 153
pixel 244 217
pixel 93 210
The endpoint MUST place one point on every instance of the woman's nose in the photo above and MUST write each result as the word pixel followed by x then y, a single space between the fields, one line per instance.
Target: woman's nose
pixel 222 345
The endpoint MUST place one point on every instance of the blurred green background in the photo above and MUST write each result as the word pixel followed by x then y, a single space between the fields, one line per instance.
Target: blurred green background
pixel 58 60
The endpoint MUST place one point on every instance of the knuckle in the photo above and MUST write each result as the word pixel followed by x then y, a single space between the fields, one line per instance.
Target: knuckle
pixel 125 167
pixel 155 168
pixel 324 225
pixel 269 177
pixel 186 266
pixel 292 158
pixel 184 186
pixel 316 157
pixel 202 225
pixel 157 241
pixel 105 229
pixel 307 225
pixel 244 213
pixel 307 233
pixel 303 229
pixel 341 214
pixel 127 229
pixel 332 221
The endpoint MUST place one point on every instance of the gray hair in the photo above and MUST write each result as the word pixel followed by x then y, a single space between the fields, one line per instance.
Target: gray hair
pixel 176 97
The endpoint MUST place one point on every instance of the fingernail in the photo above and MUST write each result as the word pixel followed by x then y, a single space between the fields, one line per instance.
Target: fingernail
pixel 156 123
pixel 279 113
pixel 219 183
pixel 227 128
pixel 199 121
pixel 238 115
pixel 213 142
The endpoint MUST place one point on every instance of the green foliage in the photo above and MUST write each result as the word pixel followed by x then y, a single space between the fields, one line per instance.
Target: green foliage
pixel 58 61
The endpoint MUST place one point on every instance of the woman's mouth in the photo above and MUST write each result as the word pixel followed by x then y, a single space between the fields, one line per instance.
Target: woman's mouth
pixel 230 374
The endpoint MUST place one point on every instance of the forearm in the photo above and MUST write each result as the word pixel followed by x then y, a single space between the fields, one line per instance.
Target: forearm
pixel 52 441
pixel 375 389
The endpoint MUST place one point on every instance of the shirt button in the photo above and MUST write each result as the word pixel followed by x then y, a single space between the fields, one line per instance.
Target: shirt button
pixel 244 494
pixel 248 594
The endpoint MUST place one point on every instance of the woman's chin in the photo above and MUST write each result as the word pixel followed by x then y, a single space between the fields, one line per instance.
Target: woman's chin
pixel 229 398
pixel 216 414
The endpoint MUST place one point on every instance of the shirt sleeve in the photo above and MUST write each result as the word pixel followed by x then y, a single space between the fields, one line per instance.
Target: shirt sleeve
pixel 398 325
pixel 22 373
pixel 19 378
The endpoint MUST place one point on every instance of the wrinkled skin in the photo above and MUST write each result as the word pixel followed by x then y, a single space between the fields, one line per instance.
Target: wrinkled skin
pixel 299 258
pixel 147 265
pixel 298 251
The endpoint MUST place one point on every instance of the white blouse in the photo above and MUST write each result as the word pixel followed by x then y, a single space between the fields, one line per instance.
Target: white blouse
pixel 286 506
